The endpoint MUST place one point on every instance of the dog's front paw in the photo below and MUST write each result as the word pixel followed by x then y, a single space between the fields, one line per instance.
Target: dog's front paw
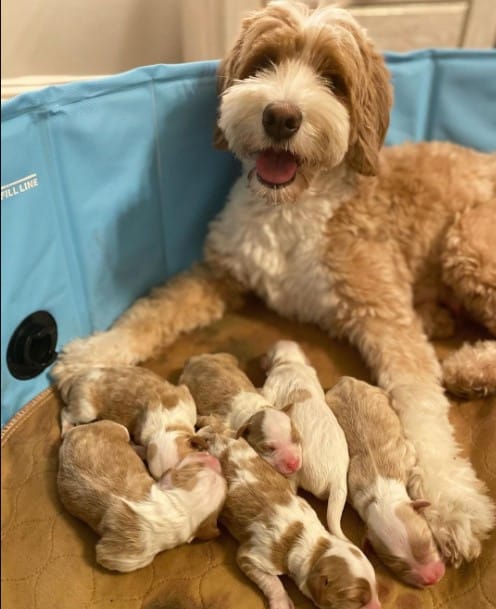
pixel 111 348
pixel 461 514
pixel 460 518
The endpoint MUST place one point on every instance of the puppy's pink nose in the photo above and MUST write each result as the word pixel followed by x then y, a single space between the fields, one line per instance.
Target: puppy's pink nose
pixel 432 573
pixel 209 461
pixel 293 464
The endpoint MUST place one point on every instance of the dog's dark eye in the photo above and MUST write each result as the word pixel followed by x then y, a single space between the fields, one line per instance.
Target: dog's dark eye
pixel 265 63
pixel 259 61
pixel 337 84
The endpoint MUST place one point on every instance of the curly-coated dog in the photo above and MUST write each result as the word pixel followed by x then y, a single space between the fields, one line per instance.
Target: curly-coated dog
pixel 328 229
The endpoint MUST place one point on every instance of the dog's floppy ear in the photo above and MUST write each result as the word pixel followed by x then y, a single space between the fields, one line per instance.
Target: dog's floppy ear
pixel 227 71
pixel 236 64
pixel 370 103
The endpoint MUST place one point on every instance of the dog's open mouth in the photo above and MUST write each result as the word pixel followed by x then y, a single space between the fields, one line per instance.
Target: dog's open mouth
pixel 276 168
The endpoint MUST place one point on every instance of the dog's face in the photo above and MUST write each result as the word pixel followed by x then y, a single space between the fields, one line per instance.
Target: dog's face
pixel 302 91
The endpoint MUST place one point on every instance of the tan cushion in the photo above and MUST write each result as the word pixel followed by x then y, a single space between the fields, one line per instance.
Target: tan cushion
pixel 48 557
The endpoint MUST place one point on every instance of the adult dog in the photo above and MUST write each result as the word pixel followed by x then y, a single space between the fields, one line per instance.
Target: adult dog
pixel 328 229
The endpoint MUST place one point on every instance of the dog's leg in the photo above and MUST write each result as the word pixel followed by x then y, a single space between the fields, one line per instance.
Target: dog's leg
pixel 375 312
pixel 406 365
pixel 191 300
pixel 270 584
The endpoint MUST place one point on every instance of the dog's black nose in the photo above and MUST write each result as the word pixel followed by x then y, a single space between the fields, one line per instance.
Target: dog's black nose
pixel 281 120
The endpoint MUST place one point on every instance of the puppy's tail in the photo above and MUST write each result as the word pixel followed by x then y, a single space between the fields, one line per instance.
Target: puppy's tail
pixel 470 372
pixel 335 508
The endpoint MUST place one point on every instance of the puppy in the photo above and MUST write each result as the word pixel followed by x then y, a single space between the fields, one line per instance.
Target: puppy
pixel 279 533
pixel 381 462
pixel 102 481
pixel 328 229
pixel 221 388
pixel 291 379
pixel 159 416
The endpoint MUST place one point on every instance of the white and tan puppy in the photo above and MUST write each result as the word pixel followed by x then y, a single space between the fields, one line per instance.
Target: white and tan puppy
pixel 292 380
pixel 159 416
pixel 279 533
pixel 221 388
pixel 381 462
pixel 102 481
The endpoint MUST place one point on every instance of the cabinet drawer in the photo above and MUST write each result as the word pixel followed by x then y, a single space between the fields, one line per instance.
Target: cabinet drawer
pixel 406 26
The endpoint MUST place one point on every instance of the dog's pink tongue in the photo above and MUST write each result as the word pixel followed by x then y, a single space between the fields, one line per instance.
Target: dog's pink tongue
pixel 276 166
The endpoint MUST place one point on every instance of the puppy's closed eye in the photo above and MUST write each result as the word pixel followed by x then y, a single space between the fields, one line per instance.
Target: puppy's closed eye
pixel 267 447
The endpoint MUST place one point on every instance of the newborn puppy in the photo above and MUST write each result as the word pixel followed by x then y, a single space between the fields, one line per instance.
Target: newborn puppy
pixel 381 461
pixel 279 533
pixel 159 416
pixel 292 380
pixel 102 481
pixel 221 388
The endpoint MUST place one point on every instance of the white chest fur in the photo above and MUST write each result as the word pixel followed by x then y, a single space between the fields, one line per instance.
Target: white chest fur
pixel 277 250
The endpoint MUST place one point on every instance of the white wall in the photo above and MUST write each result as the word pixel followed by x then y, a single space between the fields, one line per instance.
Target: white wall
pixel 51 41
pixel 81 37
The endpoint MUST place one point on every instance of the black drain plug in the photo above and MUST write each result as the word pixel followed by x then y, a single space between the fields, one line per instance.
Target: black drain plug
pixel 32 346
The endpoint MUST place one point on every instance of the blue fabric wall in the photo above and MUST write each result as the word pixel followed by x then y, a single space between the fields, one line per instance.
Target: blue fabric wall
pixel 108 185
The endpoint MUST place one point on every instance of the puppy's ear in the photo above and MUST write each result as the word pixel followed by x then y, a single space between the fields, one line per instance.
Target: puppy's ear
pixel 242 431
pixel 287 408
pixel 420 504
pixel 139 450
pixel 318 583
pixel 370 102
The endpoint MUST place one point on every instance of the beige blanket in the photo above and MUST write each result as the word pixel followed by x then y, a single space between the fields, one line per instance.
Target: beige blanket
pixel 48 557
